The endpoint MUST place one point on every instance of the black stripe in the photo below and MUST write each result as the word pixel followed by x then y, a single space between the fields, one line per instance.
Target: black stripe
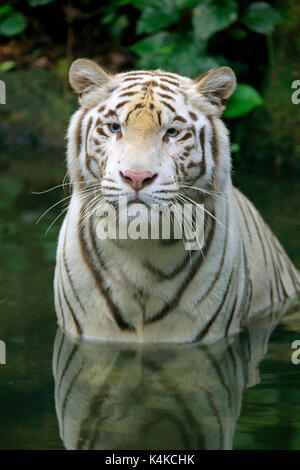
pixel 60 306
pixel 88 158
pixel 186 136
pixel 240 203
pixel 59 349
pixel 168 106
pixel 119 105
pixel 159 117
pixel 193 115
pixel 218 274
pixel 219 419
pixel 75 319
pixel 257 230
pixel 242 310
pixel 172 304
pixel 220 375
pixel 209 324
pixel 169 81
pixel 273 264
pixel 214 141
pixel 139 72
pixel 65 401
pixel 231 316
pixel 67 364
pixel 68 270
pixel 202 143
pixel 179 118
pixel 161 275
pixel 78 132
pixel 164 95
pixel 122 324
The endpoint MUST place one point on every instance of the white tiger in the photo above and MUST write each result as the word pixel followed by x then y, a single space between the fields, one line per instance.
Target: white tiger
pixel 157 138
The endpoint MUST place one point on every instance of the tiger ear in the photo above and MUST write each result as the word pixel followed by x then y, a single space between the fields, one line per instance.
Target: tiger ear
pixel 85 76
pixel 217 85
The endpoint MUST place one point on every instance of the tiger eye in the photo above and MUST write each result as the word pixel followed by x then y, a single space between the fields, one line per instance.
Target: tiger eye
pixel 115 128
pixel 172 132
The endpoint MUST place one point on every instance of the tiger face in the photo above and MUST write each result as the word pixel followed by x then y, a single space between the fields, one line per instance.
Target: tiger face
pixel 148 135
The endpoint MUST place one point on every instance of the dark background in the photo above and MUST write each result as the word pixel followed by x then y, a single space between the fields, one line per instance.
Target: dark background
pixel 259 40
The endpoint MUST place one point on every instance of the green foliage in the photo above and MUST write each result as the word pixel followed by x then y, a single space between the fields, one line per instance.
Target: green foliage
pixel 261 17
pixel 211 16
pixel 38 3
pixel 12 22
pixel 174 51
pixel 183 36
pixel 7 65
pixel 244 99
pixel 157 15
pixel 177 36
pixel 173 34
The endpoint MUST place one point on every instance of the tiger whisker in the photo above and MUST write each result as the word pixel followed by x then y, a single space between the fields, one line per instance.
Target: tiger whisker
pixel 52 223
pixel 83 193
pixel 208 212
pixel 82 197
pixel 204 191
pixel 60 186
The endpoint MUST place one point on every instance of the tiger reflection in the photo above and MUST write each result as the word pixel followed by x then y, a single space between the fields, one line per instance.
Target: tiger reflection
pixel 120 396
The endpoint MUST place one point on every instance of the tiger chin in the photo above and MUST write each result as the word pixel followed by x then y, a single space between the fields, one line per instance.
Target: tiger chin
pixel 157 138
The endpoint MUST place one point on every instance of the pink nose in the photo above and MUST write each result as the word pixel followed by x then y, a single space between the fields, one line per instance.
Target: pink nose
pixel 137 180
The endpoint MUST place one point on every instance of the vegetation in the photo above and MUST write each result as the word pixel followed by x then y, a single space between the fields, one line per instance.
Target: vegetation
pixel 184 36
pixel 178 35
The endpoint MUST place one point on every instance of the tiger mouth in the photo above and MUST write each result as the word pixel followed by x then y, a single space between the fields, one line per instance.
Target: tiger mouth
pixel 137 201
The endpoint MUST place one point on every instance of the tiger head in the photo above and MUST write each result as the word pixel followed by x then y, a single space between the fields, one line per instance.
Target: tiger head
pixel 149 135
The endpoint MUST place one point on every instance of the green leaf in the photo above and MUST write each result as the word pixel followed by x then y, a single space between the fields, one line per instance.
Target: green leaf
pixel 154 43
pixel 261 17
pixel 7 65
pixel 212 16
pixel 38 3
pixel 234 147
pixel 12 24
pixel 244 99
pixel 139 4
pixel 5 11
pixel 181 4
pixel 156 15
pixel 117 28
pixel 176 53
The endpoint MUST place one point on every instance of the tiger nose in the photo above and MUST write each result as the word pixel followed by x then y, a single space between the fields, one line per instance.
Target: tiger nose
pixel 138 180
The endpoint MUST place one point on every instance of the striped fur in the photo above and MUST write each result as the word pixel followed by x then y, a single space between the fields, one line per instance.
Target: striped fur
pixel 154 290
pixel 118 396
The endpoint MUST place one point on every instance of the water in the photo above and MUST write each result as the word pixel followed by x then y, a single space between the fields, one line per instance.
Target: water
pixel 56 393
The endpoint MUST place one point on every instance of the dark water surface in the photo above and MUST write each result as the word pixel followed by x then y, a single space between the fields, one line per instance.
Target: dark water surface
pixel 56 393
